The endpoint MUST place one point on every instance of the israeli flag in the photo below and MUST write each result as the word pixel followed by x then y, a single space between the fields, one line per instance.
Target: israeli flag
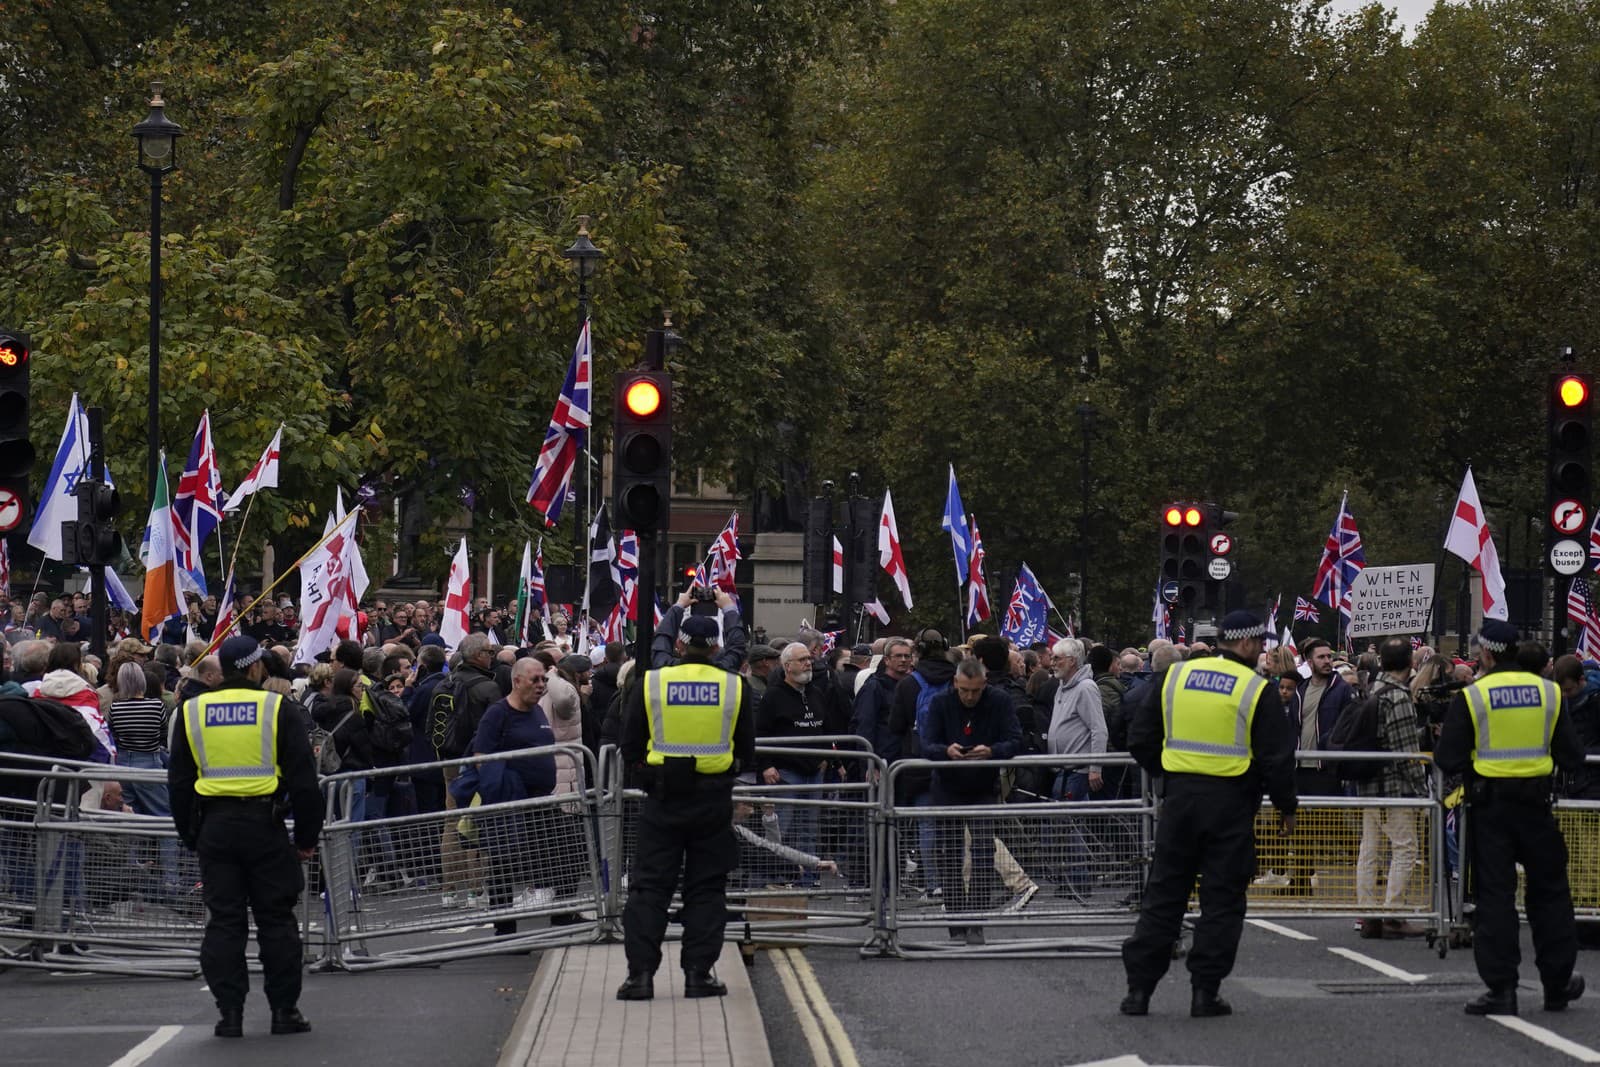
pixel 57 503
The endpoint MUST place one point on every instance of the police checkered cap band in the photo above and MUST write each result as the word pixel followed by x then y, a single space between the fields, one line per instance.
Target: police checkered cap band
pixel 1245 632
pixel 1492 645
pixel 245 661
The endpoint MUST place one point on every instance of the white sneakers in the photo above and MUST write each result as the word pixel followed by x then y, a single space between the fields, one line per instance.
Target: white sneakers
pixel 1272 880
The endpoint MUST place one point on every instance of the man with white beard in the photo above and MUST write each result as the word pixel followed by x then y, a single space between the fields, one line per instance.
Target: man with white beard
pixel 804 705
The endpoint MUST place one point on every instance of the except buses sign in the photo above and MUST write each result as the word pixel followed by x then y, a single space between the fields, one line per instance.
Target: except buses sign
pixel 1391 600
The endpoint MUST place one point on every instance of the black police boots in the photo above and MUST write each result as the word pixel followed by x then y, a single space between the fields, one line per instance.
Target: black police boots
pixel 1137 1002
pixel 1206 1004
pixel 1558 999
pixel 698 983
pixel 231 1024
pixel 1495 1002
pixel 639 986
pixel 289 1021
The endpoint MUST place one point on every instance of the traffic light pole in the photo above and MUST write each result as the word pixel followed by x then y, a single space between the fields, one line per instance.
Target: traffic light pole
pixel 99 609
pixel 644 633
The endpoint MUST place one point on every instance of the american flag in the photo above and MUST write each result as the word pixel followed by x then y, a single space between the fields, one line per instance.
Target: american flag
pixel 1026 619
pixel 197 506
pixel 1342 559
pixel 565 437
pixel 1305 610
pixel 978 609
pixel 1580 609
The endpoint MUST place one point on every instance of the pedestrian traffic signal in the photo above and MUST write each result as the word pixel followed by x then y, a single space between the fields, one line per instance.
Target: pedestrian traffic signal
pixel 1571 419
pixel 16 450
pixel 1183 551
pixel 642 450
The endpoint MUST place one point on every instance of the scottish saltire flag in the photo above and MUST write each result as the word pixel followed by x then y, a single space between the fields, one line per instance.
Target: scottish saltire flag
pixel 1305 611
pixel 954 521
pixel 978 609
pixel 564 439
pixel 197 506
pixel 1027 621
pixel 1342 559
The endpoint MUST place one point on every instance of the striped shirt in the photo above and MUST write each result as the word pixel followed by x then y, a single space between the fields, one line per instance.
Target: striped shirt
pixel 139 725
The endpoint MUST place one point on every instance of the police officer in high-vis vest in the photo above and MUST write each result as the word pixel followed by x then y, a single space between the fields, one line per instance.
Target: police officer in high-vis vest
pixel 692 727
pixel 1214 730
pixel 1507 732
pixel 241 759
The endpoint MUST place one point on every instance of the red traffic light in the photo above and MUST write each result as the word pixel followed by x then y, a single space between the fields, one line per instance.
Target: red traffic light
pixel 13 353
pixel 1173 516
pixel 642 398
pixel 1572 391
pixel 1191 517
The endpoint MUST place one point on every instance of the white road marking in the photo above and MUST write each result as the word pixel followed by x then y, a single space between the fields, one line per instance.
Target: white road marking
pixel 802 1011
pixel 825 1015
pixel 1281 930
pixel 148 1047
pixel 1118 1061
pixel 1377 965
pixel 1548 1038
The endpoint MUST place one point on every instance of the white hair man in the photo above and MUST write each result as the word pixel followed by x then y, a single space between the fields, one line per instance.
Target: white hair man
pixel 803 705
pixel 1077 726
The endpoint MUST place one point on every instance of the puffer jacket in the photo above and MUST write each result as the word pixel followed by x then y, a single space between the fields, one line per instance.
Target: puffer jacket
pixel 564 709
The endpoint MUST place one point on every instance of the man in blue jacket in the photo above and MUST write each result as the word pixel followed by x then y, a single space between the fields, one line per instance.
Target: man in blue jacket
pixel 972 723
pixel 1324 696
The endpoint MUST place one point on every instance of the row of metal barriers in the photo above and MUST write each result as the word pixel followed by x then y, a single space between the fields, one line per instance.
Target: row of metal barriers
pixel 843 849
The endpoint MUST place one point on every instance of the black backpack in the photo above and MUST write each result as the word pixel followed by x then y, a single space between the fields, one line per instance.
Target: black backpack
pixel 1359 729
pixel 390 728
pixel 449 732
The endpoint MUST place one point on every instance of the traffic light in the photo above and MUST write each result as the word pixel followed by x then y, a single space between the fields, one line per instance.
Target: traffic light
pixel 861 554
pixel 93 540
pixel 816 564
pixel 1183 552
pixel 1219 545
pixel 16 450
pixel 642 450
pixel 1571 415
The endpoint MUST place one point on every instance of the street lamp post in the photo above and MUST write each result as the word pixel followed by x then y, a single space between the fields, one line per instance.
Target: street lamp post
pixel 1086 414
pixel 158 140
pixel 587 257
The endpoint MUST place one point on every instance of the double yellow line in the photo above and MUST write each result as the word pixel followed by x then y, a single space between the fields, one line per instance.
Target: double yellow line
pixel 818 1023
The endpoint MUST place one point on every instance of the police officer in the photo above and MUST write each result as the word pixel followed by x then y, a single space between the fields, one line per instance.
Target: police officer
pixel 240 759
pixel 1216 732
pixel 1506 732
pixel 692 727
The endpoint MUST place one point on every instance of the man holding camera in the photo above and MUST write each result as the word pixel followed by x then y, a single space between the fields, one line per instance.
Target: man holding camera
pixel 706 602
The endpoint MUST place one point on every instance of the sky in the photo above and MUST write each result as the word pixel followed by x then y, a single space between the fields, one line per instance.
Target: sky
pixel 1411 12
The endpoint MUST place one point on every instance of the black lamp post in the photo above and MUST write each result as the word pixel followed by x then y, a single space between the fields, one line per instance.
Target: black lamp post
pixel 587 257
pixel 158 155
pixel 1086 414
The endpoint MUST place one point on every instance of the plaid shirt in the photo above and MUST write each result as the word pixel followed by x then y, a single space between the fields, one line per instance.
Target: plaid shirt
pixel 1400 732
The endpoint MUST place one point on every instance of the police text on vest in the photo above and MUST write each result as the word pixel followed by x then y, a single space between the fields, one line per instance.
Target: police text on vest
pixel 1210 681
pixel 694 693
pixel 243 714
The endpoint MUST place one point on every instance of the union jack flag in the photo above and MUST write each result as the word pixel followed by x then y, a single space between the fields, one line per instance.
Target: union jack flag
pixel 978 609
pixel 1594 543
pixel 722 556
pixel 830 640
pixel 1580 609
pixel 566 435
pixel 1183 634
pixel 227 610
pixel 1342 559
pixel 1305 610
pixel 197 506
pixel 628 568
pixel 1027 621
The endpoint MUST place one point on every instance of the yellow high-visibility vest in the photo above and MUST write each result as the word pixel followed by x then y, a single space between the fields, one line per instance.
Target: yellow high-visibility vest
pixel 1513 720
pixel 1208 706
pixel 234 736
pixel 692 709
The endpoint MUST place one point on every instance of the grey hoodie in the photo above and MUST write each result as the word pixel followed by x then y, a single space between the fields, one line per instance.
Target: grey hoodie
pixel 1077 720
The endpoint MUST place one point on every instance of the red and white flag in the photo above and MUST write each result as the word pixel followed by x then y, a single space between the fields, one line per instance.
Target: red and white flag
pixel 838 566
pixel 876 609
pixel 324 590
pixel 890 558
pixel 5 567
pixel 1469 538
pixel 264 475
pixel 455 623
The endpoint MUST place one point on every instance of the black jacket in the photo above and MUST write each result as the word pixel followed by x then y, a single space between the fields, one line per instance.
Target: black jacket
pixel 992 721
pixel 603 688
pixel 1457 739
pixel 297 775
pixel 935 671
pixel 476 689
pixel 1272 742
pixel 870 716
pixel 350 737
pixel 730 657
pixel 794 715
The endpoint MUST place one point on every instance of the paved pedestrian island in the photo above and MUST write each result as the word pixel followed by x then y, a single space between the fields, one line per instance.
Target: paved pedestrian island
pixel 572 1016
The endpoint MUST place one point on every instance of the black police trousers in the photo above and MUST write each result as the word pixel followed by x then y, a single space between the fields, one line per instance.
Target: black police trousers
pixel 694 832
pixel 1502 834
pixel 248 866
pixel 1206 830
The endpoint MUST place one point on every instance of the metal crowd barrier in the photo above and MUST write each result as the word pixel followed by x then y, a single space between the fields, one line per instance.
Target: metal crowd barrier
pixel 773 897
pixel 1047 868
pixel 1317 871
pixel 429 885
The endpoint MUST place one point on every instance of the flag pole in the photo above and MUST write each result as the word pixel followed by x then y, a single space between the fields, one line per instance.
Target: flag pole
pixel 216 639
pixel 237 541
